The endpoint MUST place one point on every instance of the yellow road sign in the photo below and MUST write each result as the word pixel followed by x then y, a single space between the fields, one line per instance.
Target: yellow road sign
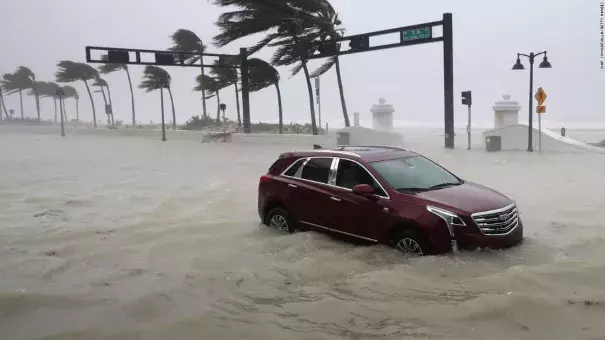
pixel 541 96
pixel 541 109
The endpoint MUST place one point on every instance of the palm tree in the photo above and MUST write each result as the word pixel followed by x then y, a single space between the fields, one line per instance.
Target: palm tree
pixel 156 78
pixel 328 22
pixel 3 105
pixel 102 85
pixel 211 86
pixel 263 75
pixel 186 41
pixel 70 72
pixel 109 68
pixel 68 92
pixel 227 76
pixel 23 79
pixel 284 20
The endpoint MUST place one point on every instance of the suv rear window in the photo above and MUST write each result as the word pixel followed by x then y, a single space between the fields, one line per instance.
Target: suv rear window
pixel 294 168
pixel 317 170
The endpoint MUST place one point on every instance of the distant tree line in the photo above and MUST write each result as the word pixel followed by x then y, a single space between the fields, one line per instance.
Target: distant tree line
pixel 292 27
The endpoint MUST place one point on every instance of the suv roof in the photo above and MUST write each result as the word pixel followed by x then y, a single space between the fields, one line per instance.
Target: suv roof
pixel 368 153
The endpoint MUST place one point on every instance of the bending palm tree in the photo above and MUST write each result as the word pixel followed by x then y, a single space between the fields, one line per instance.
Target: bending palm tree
pixel 23 79
pixel 68 92
pixel 284 19
pixel 3 105
pixel 263 75
pixel 102 85
pixel 108 68
pixel 46 90
pixel 212 87
pixel 70 72
pixel 186 41
pixel 156 78
pixel 328 22
pixel 227 76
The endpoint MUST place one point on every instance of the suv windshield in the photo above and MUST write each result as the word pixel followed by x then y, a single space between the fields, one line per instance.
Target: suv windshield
pixel 415 173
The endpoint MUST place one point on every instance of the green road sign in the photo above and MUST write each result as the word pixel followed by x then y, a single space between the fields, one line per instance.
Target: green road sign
pixel 419 33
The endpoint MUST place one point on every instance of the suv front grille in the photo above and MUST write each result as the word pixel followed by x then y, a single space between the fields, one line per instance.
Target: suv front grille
pixel 497 222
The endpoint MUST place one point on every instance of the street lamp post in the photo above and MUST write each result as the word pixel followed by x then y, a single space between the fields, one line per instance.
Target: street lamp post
pixel 518 66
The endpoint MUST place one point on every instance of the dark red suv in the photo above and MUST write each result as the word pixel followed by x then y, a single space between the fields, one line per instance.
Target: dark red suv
pixel 385 195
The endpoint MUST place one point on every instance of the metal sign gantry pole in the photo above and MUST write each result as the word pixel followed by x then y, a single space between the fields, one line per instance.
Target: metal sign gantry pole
pixel 177 58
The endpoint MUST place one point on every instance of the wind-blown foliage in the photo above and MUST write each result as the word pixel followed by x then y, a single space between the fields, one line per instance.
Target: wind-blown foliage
pixel 291 23
pixel 70 72
pixel 102 85
pixel 109 68
pixel 156 78
pixel 23 79
pixel 186 41
pixel 211 87
pixel 227 76
pixel 262 75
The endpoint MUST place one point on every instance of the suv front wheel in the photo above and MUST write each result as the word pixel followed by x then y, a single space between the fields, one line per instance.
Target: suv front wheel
pixel 279 218
pixel 410 242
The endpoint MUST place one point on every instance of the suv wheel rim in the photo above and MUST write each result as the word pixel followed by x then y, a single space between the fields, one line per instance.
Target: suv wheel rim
pixel 410 246
pixel 279 222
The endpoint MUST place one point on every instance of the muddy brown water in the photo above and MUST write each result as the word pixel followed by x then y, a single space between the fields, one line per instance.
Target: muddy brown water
pixel 131 238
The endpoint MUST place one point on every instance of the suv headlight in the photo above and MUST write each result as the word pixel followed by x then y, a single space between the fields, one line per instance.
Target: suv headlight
pixel 451 219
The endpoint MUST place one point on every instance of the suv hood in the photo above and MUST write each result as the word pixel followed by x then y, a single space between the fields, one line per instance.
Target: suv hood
pixel 467 198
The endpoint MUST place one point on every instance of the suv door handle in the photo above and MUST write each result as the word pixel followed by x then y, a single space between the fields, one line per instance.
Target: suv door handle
pixel 335 199
pixel 292 186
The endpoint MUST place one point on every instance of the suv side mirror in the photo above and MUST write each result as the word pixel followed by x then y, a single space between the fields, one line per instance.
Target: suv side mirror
pixel 364 190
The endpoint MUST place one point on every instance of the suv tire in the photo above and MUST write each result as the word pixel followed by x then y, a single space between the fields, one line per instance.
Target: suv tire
pixel 411 242
pixel 279 218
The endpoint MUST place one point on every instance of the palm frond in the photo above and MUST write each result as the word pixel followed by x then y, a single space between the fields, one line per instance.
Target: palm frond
pixel 324 68
pixel 155 78
pixel 109 68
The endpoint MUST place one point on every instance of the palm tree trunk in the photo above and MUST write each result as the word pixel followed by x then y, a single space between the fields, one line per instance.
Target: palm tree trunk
pixel 55 102
pixel 77 109
pixel 105 101
pixel 312 105
pixel 163 124
pixel 173 112
pixel 281 113
pixel 92 103
pixel 203 91
pixel 218 106
pixel 309 87
pixel 239 117
pixel 342 94
pixel 134 120
pixel 21 101
pixel 3 105
pixel 113 122
pixel 64 110
pixel 37 96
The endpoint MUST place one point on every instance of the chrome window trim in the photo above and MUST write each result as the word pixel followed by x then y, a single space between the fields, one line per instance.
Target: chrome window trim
pixel 496 211
pixel 363 167
pixel 340 232
pixel 299 171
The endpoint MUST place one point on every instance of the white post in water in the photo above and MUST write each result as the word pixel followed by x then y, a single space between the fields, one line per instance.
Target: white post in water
pixel 356 119
pixel 382 116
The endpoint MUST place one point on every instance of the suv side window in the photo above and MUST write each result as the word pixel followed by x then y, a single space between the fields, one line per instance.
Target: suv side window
pixel 350 174
pixel 293 170
pixel 317 170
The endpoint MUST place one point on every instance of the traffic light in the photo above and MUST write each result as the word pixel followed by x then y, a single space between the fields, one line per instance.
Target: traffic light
pixel 118 57
pixel 164 59
pixel 360 43
pixel 327 48
pixel 467 98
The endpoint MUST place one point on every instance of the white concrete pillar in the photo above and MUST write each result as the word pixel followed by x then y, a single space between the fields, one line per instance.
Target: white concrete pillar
pixel 506 112
pixel 382 116
pixel 356 119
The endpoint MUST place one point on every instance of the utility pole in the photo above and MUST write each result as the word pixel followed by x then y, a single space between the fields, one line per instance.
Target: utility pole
pixel 318 99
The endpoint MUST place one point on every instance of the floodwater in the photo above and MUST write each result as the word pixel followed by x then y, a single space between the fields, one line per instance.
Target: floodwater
pixel 129 238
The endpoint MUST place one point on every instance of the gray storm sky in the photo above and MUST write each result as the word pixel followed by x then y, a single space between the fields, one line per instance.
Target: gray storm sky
pixel 487 36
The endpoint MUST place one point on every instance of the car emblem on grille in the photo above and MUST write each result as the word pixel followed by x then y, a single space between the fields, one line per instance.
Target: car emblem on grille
pixel 503 217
